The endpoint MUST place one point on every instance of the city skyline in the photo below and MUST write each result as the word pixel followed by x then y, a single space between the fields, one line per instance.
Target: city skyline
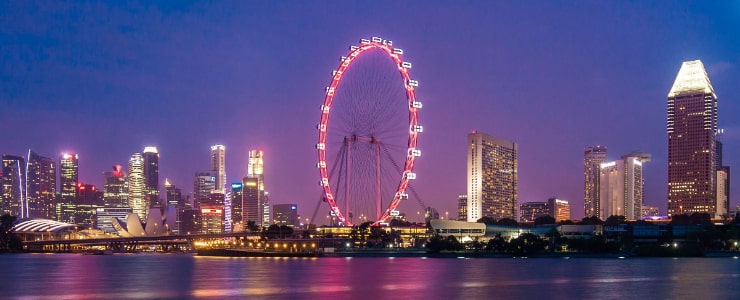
pixel 550 85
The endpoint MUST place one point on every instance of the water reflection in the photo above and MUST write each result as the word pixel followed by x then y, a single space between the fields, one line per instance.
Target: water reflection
pixel 68 276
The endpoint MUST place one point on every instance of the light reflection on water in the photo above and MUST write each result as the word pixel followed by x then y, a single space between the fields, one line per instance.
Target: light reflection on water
pixel 69 276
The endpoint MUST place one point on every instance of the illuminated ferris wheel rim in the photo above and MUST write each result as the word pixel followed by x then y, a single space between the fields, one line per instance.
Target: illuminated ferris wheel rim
pixel 414 128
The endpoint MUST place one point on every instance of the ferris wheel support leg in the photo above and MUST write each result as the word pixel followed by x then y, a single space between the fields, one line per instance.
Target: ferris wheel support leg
pixel 377 179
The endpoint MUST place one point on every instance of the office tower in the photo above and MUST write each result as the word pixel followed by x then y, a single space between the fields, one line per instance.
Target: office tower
pixel 529 211
pixel 254 196
pixel 266 211
pixel 622 187
pixel 68 176
pixel 558 209
pixel 462 207
pixel 593 157
pixel 151 177
pixel 13 186
pixel 190 221
pixel 212 219
pixel 173 195
pixel 115 188
pixel 218 166
pixel 286 214
pixel 137 186
pixel 237 196
pixel 41 186
pixel 82 211
pixel 203 185
pixel 723 182
pixel 692 152
pixel 492 177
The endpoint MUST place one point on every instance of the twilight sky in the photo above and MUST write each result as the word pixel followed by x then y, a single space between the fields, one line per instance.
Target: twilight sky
pixel 106 79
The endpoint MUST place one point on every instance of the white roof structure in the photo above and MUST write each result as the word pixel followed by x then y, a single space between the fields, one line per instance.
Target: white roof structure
pixel 41 225
pixel 692 77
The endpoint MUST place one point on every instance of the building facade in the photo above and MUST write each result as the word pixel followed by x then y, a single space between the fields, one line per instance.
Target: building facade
pixel 529 211
pixel 12 188
pixel 255 203
pixel 137 186
pixel 41 186
pixel 558 209
pixel 286 214
pixel 115 188
pixel 151 176
pixel 462 207
pixel 622 187
pixel 68 178
pixel 218 166
pixel 593 157
pixel 492 177
pixel 692 152
pixel 203 185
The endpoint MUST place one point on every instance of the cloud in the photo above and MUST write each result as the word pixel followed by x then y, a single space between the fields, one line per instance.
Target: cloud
pixel 719 67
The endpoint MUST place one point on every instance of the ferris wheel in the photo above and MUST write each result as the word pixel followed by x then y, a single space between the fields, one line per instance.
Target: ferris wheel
pixel 368 132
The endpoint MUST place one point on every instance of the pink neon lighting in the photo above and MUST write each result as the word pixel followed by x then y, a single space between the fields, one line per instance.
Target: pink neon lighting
pixel 345 62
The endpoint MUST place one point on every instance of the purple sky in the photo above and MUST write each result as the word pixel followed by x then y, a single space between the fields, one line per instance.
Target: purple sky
pixel 106 79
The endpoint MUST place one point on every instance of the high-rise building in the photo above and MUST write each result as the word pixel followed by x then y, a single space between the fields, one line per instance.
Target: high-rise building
pixel 137 186
pixel 173 195
pixel 622 187
pixel 218 166
pixel 255 203
pixel 68 177
pixel 286 214
pixel 115 188
pixel 593 157
pixel 237 196
pixel 13 186
pixel 41 186
pixel 723 183
pixel 529 211
pixel 558 209
pixel 83 210
pixel 492 177
pixel 203 185
pixel 462 207
pixel 692 152
pixel 104 217
pixel 151 176
pixel 212 219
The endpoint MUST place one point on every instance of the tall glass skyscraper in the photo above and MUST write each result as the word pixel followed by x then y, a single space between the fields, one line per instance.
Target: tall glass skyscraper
pixel 692 152
pixel 115 188
pixel 68 178
pixel 13 185
pixel 151 176
pixel 622 187
pixel 492 177
pixel 593 157
pixel 41 186
pixel 255 205
pixel 218 166
pixel 136 186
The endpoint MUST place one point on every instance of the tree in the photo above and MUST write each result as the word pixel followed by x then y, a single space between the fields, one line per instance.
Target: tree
pixel 680 219
pixel 507 222
pixel 592 220
pixel 527 243
pixel 566 222
pixel 252 226
pixel 9 241
pixel 544 220
pixel 486 220
pixel 615 220
pixel 700 218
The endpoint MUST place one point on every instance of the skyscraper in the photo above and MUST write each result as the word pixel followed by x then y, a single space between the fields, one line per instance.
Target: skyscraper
pixel 593 157
pixel 13 186
pixel 41 186
pixel 151 176
pixel 136 186
pixel 173 195
pixel 203 185
pixel 286 214
pixel 68 177
pixel 237 196
pixel 492 177
pixel 115 188
pixel 254 198
pixel 218 166
pixel 692 153
pixel 622 187
pixel 462 207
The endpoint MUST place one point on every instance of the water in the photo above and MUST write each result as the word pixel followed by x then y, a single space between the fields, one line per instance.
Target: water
pixel 152 276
